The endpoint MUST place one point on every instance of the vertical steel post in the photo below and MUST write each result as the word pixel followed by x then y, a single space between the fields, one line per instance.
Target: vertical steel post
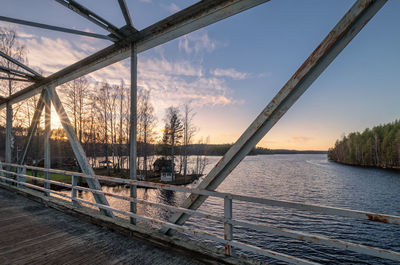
pixel 228 231
pixel 1 173
pixel 73 191
pixel 8 154
pixel 133 127
pixel 20 178
pixel 47 133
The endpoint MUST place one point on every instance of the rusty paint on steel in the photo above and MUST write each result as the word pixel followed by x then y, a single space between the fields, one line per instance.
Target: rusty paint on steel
pixel 392 219
pixel 344 31
pixel 380 218
pixel 227 220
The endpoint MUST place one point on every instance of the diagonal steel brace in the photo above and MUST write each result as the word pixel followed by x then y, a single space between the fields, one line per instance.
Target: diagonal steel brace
pixel 346 29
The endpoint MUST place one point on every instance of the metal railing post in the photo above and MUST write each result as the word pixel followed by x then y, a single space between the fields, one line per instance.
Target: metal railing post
pixel 21 171
pixel 46 185
pixel 228 231
pixel 73 191
pixel 1 173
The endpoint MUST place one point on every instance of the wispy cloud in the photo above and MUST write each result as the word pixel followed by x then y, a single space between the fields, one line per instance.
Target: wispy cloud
pixel 51 55
pixel 301 139
pixel 172 7
pixel 171 81
pixel 197 42
pixel 176 83
pixel 230 72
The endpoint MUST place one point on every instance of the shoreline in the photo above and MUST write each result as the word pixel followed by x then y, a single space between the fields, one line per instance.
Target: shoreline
pixel 393 168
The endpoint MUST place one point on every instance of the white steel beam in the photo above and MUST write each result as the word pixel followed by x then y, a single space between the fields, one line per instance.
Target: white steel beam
pixel 77 149
pixel 47 134
pixel 9 115
pixel 9 58
pixel 125 12
pixel 188 20
pixel 15 72
pixel 33 126
pixel 133 128
pixel 14 79
pixel 91 16
pixel 346 29
pixel 61 29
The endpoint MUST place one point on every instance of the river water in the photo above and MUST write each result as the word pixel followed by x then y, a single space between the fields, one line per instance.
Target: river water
pixel 298 178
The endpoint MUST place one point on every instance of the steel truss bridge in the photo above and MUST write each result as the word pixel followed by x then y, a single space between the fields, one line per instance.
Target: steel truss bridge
pixel 127 41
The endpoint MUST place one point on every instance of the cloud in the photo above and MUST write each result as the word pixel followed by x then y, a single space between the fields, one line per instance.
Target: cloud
pixel 230 72
pixel 197 42
pixel 302 139
pixel 171 81
pixel 51 55
pixel 24 35
pixel 179 82
pixel 173 8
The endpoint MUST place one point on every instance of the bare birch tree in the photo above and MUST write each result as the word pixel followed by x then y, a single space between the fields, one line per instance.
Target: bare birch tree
pixel 189 131
pixel 146 123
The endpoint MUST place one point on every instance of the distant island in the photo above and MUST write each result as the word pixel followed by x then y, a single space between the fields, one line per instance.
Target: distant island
pixel 376 147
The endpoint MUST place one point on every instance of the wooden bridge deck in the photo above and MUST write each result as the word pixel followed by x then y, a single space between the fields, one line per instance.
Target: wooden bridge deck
pixel 31 233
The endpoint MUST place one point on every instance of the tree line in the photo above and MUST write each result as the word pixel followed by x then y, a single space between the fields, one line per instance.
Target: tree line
pixel 99 113
pixel 376 147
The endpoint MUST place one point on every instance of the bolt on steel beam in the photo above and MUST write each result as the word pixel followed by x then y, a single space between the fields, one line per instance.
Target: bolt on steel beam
pixel 346 29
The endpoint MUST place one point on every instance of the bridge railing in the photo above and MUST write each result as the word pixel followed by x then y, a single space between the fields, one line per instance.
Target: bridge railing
pixel 17 175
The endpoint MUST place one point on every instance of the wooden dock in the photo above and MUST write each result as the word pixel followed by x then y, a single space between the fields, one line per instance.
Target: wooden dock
pixel 31 233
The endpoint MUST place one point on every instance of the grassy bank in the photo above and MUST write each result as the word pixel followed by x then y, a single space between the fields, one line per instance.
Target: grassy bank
pixel 53 176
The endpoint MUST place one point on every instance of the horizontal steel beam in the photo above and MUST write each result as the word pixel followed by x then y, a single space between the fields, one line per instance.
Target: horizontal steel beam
pixel 323 240
pixel 337 39
pixel 91 16
pixel 16 72
pixel 185 21
pixel 61 29
pixel 9 58
pixel 14 79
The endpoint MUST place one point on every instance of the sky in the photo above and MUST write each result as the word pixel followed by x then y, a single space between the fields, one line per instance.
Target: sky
pixel 230 70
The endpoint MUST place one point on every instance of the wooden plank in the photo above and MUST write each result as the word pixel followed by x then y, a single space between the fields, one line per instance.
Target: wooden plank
pixel 71 240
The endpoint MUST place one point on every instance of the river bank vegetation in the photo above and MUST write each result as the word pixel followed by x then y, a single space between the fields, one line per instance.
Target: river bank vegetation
pixel 376 147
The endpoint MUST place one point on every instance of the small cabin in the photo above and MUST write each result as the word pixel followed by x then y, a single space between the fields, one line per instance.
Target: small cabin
pixel 163 167
pixel 160 164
